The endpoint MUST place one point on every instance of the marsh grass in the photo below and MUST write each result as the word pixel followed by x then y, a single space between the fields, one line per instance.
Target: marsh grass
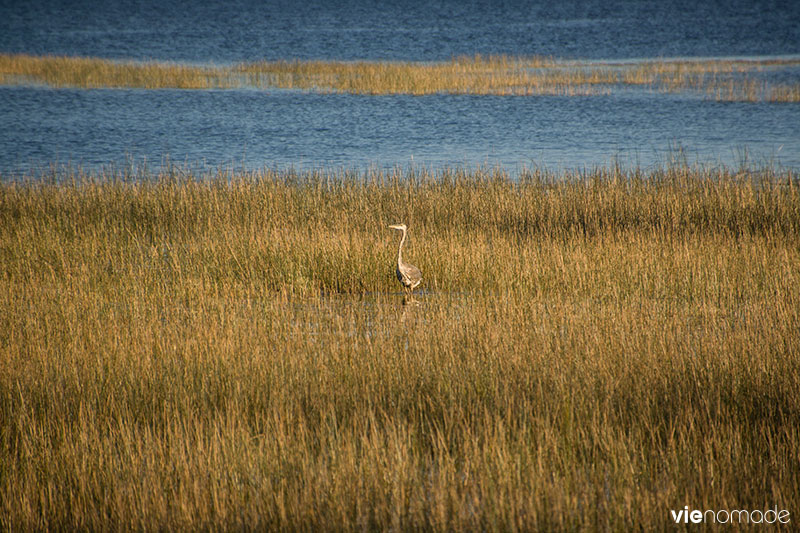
pixel 89 72
pixel 499 75
pixel 231 351
pixel 464 75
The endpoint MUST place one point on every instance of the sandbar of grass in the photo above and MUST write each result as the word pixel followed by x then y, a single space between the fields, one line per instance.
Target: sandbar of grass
pixel 232 351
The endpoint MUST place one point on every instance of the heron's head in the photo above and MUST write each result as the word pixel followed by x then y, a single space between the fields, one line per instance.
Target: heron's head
pixel 401 227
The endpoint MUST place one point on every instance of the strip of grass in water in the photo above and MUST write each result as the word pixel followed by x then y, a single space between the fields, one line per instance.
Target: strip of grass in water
pixel 88 72
pixel 503 75
pixel 231 351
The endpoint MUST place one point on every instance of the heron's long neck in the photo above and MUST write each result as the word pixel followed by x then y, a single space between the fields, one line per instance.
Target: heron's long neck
pixel 400 248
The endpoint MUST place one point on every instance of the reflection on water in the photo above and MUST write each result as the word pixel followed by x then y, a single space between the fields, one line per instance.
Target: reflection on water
pixel 369 315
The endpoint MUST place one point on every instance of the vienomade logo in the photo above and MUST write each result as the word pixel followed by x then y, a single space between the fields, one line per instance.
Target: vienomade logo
pixel 733 516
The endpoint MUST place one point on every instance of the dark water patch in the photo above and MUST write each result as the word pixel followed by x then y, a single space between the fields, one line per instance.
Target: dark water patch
pixel 240 30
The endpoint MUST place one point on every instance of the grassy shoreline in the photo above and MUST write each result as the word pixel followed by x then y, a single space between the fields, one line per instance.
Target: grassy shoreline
pixel 232 351
pixel 721 80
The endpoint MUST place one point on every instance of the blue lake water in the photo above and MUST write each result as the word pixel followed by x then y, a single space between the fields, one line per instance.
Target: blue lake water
pixel 255 128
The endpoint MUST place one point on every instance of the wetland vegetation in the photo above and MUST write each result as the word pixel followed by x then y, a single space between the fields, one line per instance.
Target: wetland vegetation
pixel 231 350
pixel 716 79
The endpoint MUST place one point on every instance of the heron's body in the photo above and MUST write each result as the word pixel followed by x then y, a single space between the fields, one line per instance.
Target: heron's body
pixel 407 274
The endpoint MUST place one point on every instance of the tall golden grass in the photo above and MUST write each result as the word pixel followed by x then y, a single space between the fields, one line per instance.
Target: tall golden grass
pixel 231 351
pixel 499 75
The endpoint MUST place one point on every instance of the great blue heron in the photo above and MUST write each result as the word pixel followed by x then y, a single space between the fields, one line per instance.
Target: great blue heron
pixel 407 274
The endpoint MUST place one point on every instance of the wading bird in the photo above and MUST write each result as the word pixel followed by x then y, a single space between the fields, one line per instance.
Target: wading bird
pixel 408 274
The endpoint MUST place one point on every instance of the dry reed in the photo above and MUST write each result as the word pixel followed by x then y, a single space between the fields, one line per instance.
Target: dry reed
pixel 499 75
pixel 86 72
pixel 232 351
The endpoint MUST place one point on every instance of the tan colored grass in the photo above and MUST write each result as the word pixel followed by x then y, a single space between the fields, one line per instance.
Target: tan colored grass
pixel 463 75
pixel 591 350
pixel 499 75
pixel 785 93
pixel 87 72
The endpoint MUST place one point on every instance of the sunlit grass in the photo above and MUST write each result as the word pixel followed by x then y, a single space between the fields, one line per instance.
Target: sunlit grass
pixel 500 75
pixel 87 72
pixel 232 351
pixel 465 75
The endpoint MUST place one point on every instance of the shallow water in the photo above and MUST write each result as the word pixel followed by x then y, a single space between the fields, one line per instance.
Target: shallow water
pixel 280 129
pixel 371 316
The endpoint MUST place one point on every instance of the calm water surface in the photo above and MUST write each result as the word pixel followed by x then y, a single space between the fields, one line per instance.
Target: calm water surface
pixel 231 128
pixel 237 30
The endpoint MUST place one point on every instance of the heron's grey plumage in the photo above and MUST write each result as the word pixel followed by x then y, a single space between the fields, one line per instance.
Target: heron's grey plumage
pixel 407 274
